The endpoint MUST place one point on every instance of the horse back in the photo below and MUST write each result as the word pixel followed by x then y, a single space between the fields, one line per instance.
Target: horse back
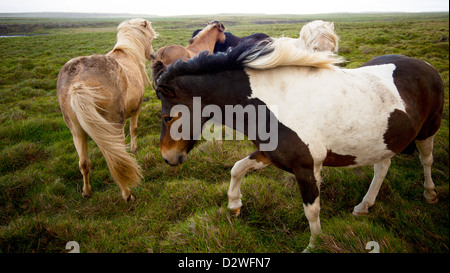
pixel 233 41
pixel 256 37
pixel 169 54
pixel 100 72
pixel 421 89
pixel 95 68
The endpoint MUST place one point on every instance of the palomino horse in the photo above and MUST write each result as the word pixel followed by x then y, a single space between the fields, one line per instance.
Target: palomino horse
pixel 327 116
pixel 98 93
pixel 233 41
pixel 205 40
pixel 318 36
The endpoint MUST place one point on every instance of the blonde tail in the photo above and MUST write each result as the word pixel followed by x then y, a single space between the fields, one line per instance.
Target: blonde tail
pixel 110 139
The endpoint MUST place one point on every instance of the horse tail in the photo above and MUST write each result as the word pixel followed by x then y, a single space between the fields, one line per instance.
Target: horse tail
pixel 109 137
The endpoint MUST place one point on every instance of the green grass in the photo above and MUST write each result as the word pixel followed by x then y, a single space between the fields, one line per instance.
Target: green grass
pixel 184 208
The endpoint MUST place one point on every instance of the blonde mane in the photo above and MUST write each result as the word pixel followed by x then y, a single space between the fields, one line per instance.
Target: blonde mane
pixel 134 37
pixel 284 52
pixel 311 32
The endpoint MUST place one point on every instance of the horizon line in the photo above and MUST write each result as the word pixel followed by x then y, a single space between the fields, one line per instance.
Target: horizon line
pixel 215 14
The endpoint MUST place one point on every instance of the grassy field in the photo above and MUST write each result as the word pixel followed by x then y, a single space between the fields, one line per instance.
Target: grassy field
pixel 184 208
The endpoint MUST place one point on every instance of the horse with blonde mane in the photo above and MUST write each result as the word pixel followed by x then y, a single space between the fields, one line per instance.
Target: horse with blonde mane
pixel 204 40
pixel 98 93
pixel 318 36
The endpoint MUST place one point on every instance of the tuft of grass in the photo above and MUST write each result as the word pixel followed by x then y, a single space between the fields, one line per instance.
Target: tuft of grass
pixel 20 156
pixel 351 235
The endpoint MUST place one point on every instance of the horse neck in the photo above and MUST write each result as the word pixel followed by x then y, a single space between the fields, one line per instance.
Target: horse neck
pixel 136 55
pixel 301 43
pixel 203 42
pixel 229 91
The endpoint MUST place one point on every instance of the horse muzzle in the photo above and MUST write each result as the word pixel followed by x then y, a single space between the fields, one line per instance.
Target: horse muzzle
pixel 175 159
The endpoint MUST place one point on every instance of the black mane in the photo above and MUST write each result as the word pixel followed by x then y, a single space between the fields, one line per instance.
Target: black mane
pixel 233 59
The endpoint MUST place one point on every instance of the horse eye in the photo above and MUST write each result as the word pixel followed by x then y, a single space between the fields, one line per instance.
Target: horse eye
pixel 167 119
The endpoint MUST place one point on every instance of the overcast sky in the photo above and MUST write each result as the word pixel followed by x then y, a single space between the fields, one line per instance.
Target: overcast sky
pixel 193 7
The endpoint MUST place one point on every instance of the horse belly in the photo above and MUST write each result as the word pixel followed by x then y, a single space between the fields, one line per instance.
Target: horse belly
pixel 351 136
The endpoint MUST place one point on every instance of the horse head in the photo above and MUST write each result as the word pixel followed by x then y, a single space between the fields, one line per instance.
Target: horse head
pixel 175 111
pixel 221 30
pixel 319 36
pixel 143 34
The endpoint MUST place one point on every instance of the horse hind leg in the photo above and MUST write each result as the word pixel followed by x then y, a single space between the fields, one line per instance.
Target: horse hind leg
pixel 380 170
pixel 425 148
pixel 80 140
pixel 133 132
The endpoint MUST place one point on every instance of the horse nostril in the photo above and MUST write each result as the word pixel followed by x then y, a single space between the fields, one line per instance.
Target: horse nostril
pixel 180 159
pixel 167 161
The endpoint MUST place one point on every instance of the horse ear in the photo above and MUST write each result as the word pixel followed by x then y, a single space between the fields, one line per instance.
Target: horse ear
pixel 331 25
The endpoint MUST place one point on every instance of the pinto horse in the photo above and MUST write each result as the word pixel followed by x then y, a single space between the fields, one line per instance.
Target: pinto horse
pixel 327 116
pixel 233 41
pixel 98 93
pixel 205 40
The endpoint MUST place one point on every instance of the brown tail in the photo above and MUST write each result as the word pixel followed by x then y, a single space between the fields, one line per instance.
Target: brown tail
pixel 123 167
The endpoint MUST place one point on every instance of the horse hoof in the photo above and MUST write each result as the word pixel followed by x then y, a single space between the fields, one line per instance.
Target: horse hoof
pixel 308 249
pixel 361 209
pixel 86 194
pixel 131 199
pixel 433 199
pixel 359 213
pixel 236 212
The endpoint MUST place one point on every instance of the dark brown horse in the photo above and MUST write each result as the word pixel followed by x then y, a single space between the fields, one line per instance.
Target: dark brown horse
pixel 324 115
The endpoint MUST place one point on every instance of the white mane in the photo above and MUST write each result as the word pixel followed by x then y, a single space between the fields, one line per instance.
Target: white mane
pixel 285 52
pixel 318 36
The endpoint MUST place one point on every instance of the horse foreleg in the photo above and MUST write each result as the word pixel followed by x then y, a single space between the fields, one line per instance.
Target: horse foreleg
pixel 80 139
pixel 133 132
pixel 425 148
pixel 253 162
pixel 380 170
pixel 309 182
